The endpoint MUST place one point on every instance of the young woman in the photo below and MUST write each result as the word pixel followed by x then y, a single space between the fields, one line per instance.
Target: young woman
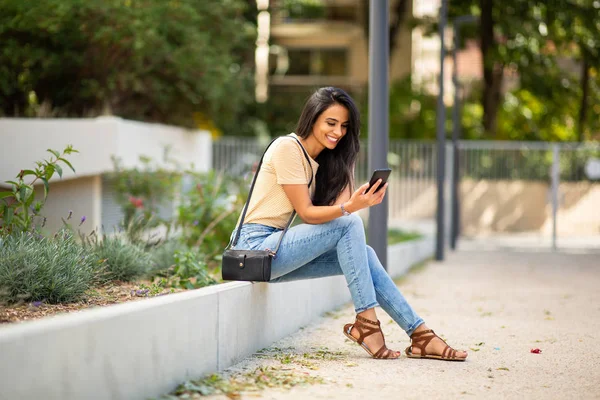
pixel 332 239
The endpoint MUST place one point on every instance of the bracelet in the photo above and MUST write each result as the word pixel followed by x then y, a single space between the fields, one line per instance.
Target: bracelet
pixel 344 212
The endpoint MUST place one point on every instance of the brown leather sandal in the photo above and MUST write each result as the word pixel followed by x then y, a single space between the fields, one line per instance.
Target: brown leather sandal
pixel 364 331
pixel 421 340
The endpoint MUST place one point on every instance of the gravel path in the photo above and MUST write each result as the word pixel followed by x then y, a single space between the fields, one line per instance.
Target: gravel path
pixel 496 305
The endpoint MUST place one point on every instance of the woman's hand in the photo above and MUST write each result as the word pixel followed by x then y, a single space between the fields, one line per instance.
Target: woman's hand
pixel 363 198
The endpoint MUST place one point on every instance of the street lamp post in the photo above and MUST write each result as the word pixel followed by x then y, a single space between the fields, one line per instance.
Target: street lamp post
pixel 441 140
pixel 378 117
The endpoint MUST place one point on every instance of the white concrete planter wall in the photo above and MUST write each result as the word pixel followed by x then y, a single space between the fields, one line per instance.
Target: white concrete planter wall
pixel 97 139
pixel 143 349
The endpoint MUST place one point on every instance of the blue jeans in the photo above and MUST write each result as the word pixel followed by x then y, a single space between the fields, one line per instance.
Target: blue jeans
pixel 333 248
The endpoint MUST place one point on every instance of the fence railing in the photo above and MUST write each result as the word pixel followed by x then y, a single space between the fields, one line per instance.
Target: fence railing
pixel 504 186
pixel 524 160
pixel 413 165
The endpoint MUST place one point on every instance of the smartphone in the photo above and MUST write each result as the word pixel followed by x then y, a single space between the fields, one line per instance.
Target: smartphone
pixel 382 174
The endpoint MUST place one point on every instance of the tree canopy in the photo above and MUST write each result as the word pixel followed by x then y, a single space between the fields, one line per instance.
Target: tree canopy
pixel 152 60
pixel 555 50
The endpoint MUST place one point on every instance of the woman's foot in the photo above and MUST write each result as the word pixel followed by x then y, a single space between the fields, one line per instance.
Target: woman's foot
pixel 368 334
pixel 426 344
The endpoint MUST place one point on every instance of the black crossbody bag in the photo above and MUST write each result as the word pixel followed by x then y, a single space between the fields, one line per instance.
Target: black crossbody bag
pixel 254 265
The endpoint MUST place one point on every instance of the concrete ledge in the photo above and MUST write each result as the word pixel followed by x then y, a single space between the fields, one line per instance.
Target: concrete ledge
pixel 142 349
pixel 25 141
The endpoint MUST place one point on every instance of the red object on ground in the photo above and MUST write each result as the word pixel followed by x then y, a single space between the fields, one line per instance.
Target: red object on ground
pixel 536 351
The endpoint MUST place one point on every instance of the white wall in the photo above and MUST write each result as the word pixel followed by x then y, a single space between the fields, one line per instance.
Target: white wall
pixel 24 141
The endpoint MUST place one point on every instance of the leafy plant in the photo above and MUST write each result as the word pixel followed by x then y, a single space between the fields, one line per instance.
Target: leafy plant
pixel 35 268
pixel 208 212
pixel 142 192
pixel 17 207
pixel 189 271
pixel 121 260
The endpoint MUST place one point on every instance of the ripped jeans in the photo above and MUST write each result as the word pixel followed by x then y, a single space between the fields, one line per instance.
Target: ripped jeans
pixel 333 248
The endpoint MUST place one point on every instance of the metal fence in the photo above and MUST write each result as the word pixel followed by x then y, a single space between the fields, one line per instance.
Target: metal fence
pixel 541 194
pixel 412 182
pixel 524 160
pixel 534 190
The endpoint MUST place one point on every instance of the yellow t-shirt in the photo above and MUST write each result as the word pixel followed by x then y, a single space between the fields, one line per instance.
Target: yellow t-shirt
pixel 284 163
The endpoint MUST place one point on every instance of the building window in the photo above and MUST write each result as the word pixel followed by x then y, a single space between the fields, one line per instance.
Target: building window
pixel 317 62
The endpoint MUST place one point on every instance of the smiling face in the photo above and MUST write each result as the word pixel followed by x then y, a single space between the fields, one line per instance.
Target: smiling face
pixel 331 126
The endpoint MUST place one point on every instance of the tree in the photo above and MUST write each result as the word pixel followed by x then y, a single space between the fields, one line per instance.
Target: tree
pixel 150 60
pixel 573 28
pixel 529 37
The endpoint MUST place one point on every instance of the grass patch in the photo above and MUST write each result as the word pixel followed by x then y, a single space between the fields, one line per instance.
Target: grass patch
pixel 398 236
pixel 259 379
pixel 123 261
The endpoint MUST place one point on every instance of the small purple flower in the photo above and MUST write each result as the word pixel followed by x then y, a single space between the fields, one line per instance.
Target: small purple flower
pixel 36 303
pixel 196 222
pixel 82 220
pixel 70 215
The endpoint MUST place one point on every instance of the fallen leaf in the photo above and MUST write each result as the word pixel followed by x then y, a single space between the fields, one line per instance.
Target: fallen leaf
pixel 536 351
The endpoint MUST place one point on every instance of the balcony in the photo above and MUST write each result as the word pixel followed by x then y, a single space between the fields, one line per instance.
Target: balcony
pixel 314 11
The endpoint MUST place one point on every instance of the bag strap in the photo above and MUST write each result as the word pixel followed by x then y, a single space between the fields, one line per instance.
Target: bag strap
pixel 239 227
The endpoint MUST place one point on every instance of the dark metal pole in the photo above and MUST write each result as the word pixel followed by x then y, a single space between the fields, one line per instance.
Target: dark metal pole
pixel 378 118
pixel 455 135
pixel 441 140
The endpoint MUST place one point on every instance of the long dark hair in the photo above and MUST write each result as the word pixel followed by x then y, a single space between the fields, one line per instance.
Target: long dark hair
pixel 335 166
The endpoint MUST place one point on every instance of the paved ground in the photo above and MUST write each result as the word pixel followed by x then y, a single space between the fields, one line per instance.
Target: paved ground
pixel 496 305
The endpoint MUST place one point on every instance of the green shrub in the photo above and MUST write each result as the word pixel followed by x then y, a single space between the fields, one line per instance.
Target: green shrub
pixel 163 255
pixel 34 268
pixel 120 260
pixel 209 211
pixel 161 60
pixel 190 271
pixel 142 192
